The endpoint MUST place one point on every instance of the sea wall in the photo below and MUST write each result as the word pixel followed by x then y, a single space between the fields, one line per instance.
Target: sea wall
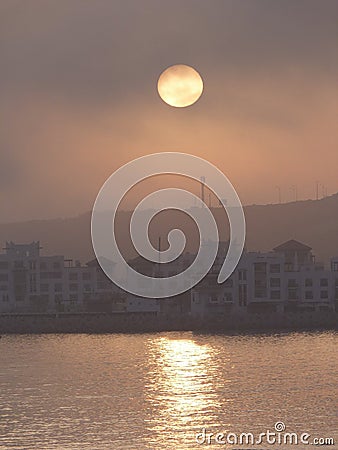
pixel 152 322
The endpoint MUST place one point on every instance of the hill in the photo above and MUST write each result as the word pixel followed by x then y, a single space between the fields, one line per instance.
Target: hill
pixel 314 222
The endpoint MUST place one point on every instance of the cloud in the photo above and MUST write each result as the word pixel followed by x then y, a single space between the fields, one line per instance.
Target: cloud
pixel 98 51
pixel 78 95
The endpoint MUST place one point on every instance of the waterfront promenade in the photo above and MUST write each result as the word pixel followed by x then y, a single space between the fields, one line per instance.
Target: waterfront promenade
pixel 126 322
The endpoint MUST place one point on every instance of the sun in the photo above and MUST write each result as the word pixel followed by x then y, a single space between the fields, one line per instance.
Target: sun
pixel 180 86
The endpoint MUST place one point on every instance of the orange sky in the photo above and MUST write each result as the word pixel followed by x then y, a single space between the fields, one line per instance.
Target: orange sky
pixel 78 97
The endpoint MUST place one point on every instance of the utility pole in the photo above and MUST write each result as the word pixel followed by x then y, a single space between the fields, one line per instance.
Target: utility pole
pixel 279 194
pixel 324 191
pixel 295 191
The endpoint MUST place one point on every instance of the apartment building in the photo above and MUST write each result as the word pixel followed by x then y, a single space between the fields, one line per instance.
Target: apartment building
pixel 285 279
pixel 334 280
pixel 30 282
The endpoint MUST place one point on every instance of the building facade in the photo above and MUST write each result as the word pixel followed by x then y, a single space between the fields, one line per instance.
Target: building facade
pixel 30 282
pixel 284 280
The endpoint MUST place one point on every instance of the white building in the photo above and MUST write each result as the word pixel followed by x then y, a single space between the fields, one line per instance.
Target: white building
pixel 30 282
pixel 334 280
pixel 141 304
pixel 286 279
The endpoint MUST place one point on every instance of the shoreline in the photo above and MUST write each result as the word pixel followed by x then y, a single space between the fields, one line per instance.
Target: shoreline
pixel 123 322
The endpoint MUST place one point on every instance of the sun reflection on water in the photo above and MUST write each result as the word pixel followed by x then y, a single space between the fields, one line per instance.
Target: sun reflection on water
pixel 182 388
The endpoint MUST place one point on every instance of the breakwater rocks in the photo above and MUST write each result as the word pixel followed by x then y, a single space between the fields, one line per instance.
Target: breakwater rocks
pixel 124 322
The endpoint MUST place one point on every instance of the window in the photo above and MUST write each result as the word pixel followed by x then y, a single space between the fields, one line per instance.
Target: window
pixel 245 294
pixel 32 282
pixel 56 265
pixel 242 275
pixel 308 295
pixel 5 298
pixel 32 265
pixel 3 277
pixel 292 282
pixel 86 276
pixel 73 276
pixel 58 287
pixel 275 282
pixel 260 267
pixel 213 298
pixel 242 294
pixel 293 294
pixel 228 297
pixel 308 282
pixel 324 282
pixel 44 287
pixel 73 287
pixel 260 293
pixel 50 275
pixel 288 267
pixel 87 287
pixel 324 294
pixel 73 297
pixel 18 265
pixel 275 295
pixel 275 268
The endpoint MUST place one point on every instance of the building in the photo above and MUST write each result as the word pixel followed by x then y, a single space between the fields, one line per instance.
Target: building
pixel 307 283
pixel 286 279
pixel 30 282
pixel 170 306
pixel 134 304
pixel 334 281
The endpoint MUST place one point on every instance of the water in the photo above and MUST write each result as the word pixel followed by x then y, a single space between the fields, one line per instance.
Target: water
pixel 156 391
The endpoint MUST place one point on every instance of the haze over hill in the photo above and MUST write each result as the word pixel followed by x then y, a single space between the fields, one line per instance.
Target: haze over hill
pixel 314 222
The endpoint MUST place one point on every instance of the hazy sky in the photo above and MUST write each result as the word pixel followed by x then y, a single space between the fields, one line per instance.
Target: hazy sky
pixel 78 95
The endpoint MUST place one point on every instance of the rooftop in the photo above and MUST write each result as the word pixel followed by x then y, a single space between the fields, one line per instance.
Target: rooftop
pixel 292 245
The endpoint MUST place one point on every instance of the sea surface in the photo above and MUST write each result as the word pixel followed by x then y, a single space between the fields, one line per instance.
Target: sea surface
pixel 159 391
